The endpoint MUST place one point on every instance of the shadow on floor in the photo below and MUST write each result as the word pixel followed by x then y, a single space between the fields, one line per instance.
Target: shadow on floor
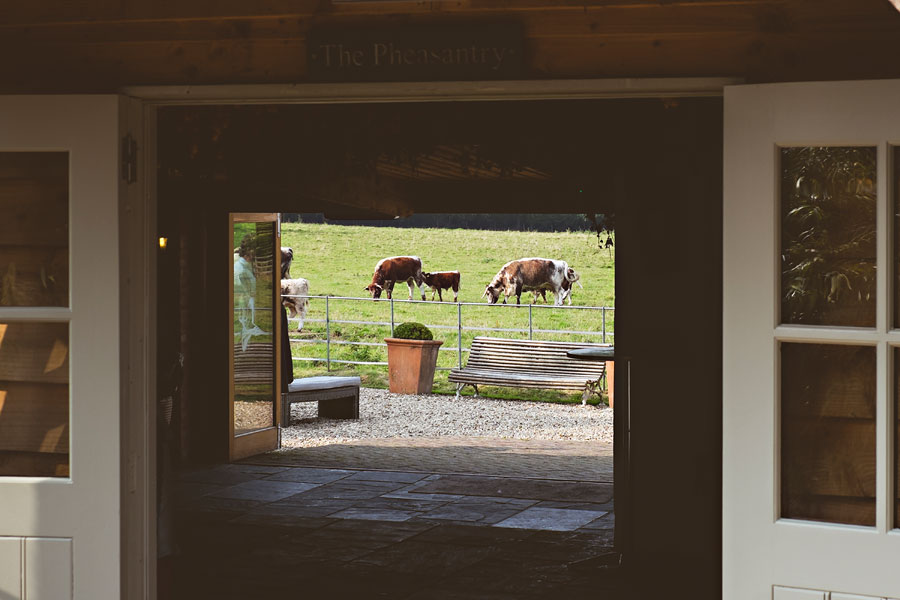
pixel 256 530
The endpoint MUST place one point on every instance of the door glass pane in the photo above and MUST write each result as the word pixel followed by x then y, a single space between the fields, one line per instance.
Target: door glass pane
pixel 828 236
pixel 34 399
pixel 254 350
pixel 828 433
pixel 34 229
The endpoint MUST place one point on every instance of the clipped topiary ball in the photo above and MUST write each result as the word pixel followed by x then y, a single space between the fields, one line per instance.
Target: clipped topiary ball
pixel 412 331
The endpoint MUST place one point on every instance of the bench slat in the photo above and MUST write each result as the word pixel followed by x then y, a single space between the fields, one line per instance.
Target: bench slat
pixel 527 363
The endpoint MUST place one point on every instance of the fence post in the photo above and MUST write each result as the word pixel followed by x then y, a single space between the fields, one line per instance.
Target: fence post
pixel 530 323
pixel 459 332
pixel 327 337
pixel 603 312
pixel 392 316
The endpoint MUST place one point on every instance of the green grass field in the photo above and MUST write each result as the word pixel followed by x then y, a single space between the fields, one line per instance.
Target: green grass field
pixel 339 261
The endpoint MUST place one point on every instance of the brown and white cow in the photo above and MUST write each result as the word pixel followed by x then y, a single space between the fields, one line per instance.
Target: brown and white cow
pixel 294 296
pixel 567 287
pixel 524 274
pixel 393 269
pixel 442 280
pixel 287 257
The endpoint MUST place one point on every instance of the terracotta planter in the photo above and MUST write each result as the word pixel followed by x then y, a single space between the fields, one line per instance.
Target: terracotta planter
pixel 610 380
pixel 411 365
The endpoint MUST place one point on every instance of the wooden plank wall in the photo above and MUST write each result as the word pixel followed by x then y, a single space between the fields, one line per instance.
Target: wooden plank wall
pixel 102 45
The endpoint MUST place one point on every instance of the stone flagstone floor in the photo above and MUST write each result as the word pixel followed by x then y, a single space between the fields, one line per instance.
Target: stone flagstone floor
pixel 257 530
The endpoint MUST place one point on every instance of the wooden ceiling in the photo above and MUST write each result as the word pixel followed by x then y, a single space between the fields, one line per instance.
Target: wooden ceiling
pixel 103 45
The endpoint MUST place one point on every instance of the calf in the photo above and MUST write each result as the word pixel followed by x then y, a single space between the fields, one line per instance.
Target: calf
pixel 517 276
pixel 293 296
pixel 442 280
pixel 567 287
pixel 393 269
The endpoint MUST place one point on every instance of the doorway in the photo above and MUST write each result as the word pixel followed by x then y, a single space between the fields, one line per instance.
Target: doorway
pixel 594 182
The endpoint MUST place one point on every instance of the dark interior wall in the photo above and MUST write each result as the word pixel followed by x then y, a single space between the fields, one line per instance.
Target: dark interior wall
pixel 668 324
pixel 659 164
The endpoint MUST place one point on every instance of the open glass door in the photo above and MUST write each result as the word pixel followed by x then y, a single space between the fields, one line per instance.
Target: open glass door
pixel 254 366
pixel 811 341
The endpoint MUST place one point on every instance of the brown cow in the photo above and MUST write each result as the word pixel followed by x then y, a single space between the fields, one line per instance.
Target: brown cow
pixel 287 257
pixel 517 276
pixel 443 280
pixel 393 269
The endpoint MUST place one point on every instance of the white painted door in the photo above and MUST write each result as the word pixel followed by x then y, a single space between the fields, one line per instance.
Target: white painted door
pixel 811 341
pixel 60 492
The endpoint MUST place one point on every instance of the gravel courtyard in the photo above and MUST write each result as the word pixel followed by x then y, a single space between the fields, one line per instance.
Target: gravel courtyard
pixel 385 415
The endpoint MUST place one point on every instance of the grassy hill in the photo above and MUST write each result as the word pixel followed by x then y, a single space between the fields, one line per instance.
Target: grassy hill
pixel 339 260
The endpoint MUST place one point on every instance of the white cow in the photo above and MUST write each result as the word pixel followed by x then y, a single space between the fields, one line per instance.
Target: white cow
pixel 294 294
pixel 531 274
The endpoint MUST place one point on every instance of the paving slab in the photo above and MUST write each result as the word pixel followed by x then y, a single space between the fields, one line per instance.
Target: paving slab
pixel 218 475
pixel 395 476
pixel 552 519
pixel 606 522
pixel 538 489
pixel 405 503
pixel 186 490
pixel 253 469
pixel 285 512
pixel 265 491
pixel 487 513
pixel 354 489
pixel 305 475
pixel 374 514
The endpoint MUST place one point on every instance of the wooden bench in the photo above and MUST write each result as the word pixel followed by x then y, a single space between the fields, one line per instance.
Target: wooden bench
pixel 529 364
pixel 338 397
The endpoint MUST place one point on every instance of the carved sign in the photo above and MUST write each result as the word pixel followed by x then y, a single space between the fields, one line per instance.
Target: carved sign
pixel 445 53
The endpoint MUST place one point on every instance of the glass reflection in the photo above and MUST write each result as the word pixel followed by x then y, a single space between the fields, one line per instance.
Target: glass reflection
pixel 253 303
pixel 34 229
pixel 34 399
pixel 828 205
pixel 828 433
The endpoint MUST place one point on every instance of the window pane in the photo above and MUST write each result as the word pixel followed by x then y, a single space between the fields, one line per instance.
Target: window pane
pixel 828 433
pixel 254 350
pixel 34 399
pixel 34 229
pixel 828 236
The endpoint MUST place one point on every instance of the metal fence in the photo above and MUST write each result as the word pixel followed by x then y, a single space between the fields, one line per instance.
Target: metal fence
pixel 605 334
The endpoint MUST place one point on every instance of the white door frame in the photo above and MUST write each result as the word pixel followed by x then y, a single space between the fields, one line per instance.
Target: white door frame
pixel 760 549
pixel 139 226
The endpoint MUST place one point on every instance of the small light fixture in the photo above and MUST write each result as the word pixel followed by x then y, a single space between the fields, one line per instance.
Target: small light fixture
pixel 163 242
